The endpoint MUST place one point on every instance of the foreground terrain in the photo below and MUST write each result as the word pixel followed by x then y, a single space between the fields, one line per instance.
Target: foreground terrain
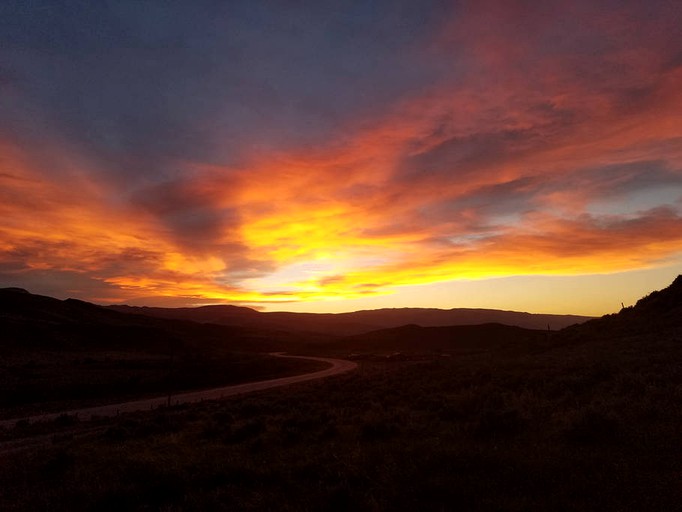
pixel 58 355
pixel 335 367
pixel 584 419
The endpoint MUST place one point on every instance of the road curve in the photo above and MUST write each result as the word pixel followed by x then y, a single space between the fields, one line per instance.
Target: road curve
pixel 337 367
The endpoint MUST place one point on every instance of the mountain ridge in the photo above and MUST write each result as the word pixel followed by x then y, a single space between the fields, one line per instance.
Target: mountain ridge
pixel 356 322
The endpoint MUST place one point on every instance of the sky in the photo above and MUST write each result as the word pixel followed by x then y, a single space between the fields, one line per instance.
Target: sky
pixel 335 156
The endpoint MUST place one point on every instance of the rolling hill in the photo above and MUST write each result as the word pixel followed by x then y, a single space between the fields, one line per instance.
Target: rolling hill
pixel 59 354
pixel 357 322
pixel 455 338
pixel 36 322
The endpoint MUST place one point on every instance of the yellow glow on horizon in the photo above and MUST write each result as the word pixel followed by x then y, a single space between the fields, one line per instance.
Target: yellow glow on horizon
pixel 334 250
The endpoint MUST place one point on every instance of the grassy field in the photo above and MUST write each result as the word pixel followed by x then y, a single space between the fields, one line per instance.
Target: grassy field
pixel 578 423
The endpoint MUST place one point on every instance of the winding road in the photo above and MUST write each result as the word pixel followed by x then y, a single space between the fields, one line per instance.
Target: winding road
pixel 337 367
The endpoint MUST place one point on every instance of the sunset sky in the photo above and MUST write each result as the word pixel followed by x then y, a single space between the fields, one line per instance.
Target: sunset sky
pixel 335 156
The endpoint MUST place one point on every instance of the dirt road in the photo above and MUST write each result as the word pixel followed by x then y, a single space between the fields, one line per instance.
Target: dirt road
pixel 337 367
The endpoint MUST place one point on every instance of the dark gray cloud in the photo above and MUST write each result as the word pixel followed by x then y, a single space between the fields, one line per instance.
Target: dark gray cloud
pixel 175 147
pixel 190 212
pixel 142 85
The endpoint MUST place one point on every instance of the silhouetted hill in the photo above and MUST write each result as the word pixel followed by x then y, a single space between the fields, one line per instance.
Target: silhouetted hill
pixel 417 339
pixel 36 322
pixel 17 304
pixel 586 418
pixel 430 317
pixel 358 322
pixel 657 312
pixel 663 304
pixel 204 314
pixel 60 354
pixel 250 318
pixel 14 289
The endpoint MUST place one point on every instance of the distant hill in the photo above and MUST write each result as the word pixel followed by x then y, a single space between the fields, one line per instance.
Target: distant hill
pixel 36 322
pixel 457 338
pixel 658 314
pixel 57 353
pixel 358 322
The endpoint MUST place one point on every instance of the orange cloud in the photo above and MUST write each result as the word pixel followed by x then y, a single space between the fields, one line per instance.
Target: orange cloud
pixel 493 171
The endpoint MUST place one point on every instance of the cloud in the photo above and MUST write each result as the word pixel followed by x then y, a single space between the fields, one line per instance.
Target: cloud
pixel 337 153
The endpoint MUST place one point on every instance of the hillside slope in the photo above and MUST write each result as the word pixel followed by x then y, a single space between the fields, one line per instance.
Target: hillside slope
pixel 660 311
pixel 57 355
pixel 36 322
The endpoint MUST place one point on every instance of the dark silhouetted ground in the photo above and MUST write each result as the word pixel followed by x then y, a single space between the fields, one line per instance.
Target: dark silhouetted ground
pixel 584 419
